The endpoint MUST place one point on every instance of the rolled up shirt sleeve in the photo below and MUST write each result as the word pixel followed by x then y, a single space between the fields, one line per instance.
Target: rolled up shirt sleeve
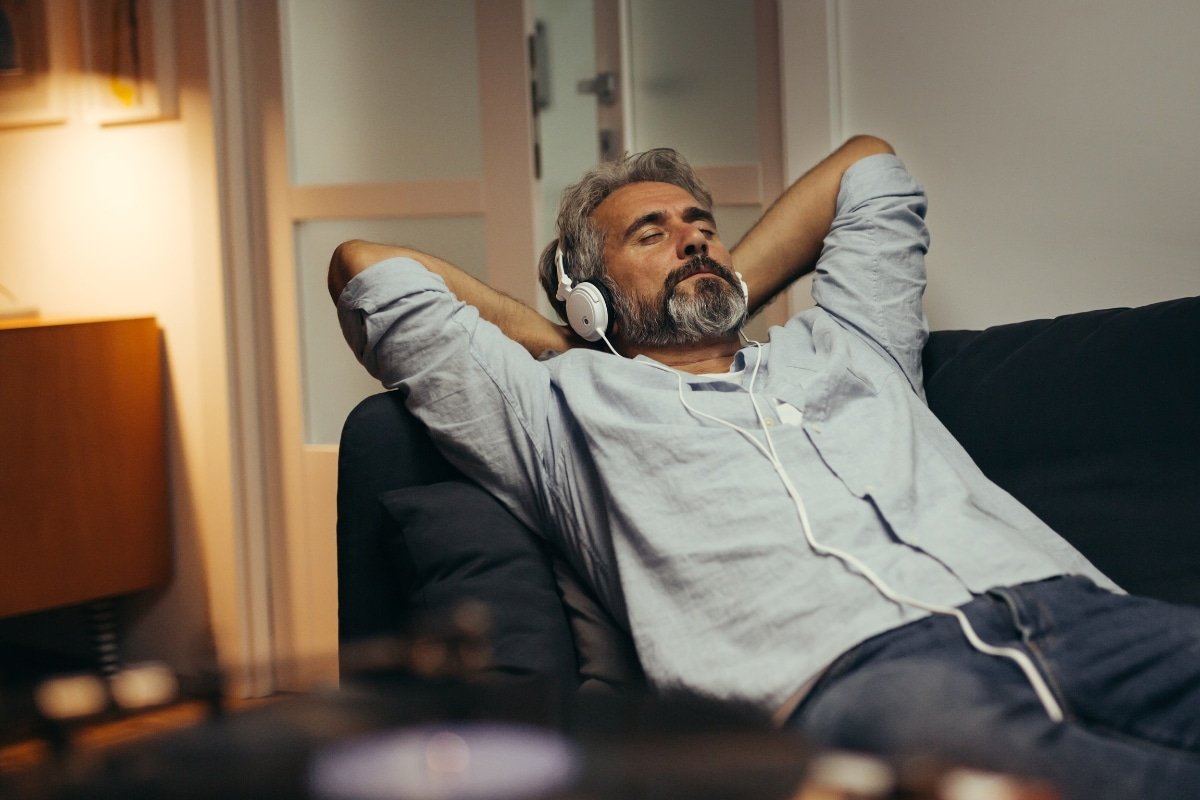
pixel 484 399
pixel 871 272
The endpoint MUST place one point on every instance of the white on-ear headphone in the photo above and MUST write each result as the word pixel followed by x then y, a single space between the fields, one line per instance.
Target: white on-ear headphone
pixel 588 308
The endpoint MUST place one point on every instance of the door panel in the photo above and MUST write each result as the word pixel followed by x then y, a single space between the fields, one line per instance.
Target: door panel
pixel 399 121
pixel 692 78
pixel 382 90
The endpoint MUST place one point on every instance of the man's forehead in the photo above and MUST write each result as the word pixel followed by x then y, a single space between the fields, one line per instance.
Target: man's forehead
pixel 634 200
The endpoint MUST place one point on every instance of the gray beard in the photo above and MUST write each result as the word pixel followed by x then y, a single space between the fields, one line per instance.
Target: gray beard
pixel 710 311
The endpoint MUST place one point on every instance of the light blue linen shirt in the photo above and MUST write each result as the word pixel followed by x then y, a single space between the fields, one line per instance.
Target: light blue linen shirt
pixel 683 528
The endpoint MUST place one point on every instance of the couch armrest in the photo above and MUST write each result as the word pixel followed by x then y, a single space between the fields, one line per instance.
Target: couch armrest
pixel 383 447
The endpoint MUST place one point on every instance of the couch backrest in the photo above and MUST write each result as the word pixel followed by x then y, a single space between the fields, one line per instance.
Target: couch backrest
pixel 1091 420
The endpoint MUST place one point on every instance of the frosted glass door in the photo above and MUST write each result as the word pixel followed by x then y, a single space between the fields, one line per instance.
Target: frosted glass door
pixel 381 90
pixel 693 79
pixel 382 95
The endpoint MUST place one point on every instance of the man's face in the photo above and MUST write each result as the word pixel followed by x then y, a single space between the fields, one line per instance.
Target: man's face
pixel 673 276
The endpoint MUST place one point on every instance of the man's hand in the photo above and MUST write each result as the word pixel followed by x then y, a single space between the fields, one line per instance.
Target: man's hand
pixel 519 322
pixel 786 242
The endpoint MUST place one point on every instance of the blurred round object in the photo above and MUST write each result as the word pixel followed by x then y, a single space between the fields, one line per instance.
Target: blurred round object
pixel 461 761
pixel 967 784
pixel 71 697
pixel 144 685
pixel 850 775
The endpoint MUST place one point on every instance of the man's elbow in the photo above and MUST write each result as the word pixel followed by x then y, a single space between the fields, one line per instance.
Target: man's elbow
pixel 352 257
pixel 866 145
pixel 341 267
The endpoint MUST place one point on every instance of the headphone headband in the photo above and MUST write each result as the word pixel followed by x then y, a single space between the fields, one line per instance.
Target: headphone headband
pixel 564 282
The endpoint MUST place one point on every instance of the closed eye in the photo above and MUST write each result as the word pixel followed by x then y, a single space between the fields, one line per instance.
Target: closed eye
pixel 650 237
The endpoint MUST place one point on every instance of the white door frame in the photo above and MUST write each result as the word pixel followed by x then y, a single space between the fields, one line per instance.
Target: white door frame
pixel 243 630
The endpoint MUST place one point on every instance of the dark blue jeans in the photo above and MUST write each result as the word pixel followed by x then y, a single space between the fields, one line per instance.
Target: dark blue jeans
pixel 1126 671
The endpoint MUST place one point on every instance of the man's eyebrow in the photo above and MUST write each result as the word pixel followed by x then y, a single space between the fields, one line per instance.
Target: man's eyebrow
pixel 691 214
pixel 652 218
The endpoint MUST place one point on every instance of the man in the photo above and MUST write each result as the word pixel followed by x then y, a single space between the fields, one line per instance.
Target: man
pixel 785 524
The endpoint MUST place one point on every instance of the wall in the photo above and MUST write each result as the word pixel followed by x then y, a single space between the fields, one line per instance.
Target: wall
pixel 1056 139
pixel 123 220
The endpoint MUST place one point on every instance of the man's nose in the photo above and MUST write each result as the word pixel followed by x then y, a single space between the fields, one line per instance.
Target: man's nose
pixel 692 243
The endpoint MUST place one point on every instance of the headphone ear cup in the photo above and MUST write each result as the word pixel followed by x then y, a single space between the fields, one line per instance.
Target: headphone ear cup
pixel 589 310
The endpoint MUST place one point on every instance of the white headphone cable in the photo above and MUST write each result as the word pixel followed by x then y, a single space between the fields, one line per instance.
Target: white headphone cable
pixel 1019 657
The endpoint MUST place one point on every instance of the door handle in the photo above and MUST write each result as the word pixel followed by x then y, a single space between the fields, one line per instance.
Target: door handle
pixel 604 86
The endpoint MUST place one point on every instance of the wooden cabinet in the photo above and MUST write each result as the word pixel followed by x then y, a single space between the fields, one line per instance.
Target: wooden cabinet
pixel 83 483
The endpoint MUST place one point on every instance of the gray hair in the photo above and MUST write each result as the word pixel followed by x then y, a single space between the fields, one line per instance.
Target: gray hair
pixel 582 242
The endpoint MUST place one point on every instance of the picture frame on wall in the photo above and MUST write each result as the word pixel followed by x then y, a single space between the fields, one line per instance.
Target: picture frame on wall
pixel 129 60
pixel 31 63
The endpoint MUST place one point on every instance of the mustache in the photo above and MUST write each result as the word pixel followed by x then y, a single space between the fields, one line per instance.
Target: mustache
pixel 699 263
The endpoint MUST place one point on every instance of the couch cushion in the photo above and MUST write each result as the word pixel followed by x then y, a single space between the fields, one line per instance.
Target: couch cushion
pixel 445 557
pixel 529 592
pixel 1091 420
pixel 605 652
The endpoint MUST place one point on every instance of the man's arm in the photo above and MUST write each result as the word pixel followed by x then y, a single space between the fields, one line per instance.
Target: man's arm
pixel 785 243
pixel 780 248
pixel 518 321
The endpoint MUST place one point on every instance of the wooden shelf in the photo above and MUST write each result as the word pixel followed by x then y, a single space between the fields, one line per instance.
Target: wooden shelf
pixel 83 486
